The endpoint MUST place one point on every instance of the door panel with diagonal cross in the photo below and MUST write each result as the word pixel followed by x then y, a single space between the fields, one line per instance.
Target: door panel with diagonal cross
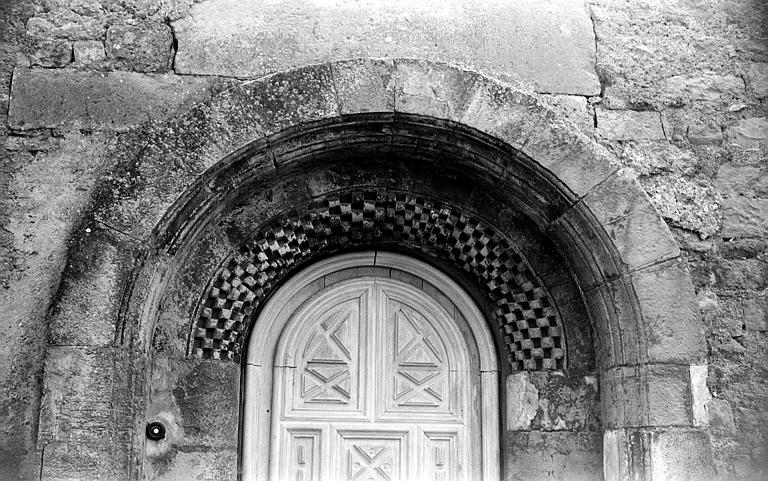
pixel 373 383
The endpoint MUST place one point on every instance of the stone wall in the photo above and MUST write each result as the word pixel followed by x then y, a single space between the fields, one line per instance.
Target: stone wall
pixel 677 89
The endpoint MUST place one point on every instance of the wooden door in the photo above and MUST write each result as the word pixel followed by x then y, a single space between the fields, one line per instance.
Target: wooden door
pixel 375 384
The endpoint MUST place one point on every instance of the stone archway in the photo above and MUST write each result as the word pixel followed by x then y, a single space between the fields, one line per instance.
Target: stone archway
pixel 505 147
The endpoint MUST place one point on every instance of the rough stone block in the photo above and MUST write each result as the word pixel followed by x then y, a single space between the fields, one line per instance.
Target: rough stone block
pixel 638 232
pixel 671 320
pixel 757 79
pixel 145 47
pixel 498 38
pixel 52 53
pixel 702 86
pixel 700 396
pixel 744 217
pixel 749 133
pixel 96 101
pixel 89 51
pixel 198 464
pixel 742 180
pixel 364 85
pixel 432 89
pixel 721 420
pixel 567 402
pixel 629 125
pixel 540 456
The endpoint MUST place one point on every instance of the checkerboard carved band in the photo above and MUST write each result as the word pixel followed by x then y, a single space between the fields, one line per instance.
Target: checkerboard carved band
pixel 523 309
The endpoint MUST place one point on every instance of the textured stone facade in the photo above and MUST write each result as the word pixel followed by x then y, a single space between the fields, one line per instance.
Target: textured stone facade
pixel 99 98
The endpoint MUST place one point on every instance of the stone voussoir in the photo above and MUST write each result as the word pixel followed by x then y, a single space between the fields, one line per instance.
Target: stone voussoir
pixel 364 85
pixel 671 316
pixel 432 89
pixel 558 145
pixel 625 211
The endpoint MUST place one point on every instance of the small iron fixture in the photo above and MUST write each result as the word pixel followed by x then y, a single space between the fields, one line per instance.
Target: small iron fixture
pixel 155 431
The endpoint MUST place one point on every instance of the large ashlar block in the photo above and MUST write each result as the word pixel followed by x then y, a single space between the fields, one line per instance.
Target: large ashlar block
pixel 679 454
pixel 493 36
pixel 67 98
pixel 547 455
pixel 647 395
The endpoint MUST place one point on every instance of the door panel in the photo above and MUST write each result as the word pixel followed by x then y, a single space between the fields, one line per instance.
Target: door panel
pixel 373 388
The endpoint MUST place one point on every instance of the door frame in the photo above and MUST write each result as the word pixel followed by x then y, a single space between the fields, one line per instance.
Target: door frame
pixel 263 341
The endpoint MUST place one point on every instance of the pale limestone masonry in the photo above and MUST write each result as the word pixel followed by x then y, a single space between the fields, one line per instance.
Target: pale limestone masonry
pixel 145 141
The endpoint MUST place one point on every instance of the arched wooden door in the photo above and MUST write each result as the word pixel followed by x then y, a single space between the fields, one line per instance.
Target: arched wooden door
pixel 376 375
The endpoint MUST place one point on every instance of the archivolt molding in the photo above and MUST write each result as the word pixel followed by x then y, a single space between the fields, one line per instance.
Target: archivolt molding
pixel 524 311
pixel 177 177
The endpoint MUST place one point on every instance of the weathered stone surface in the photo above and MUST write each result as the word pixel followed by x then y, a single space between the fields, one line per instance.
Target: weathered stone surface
pixel 573 157
pixel 493 36
pixel 747 181
pixel 88 52
pixel 749 133
pixel 145 47
pixel 86 100
pixel 700 395
pixel 51 53
pixel 566 402
pixel 704 135
pixel 744 217
pixel 434 90
pixel 671 321
pixel 629 125
pixel 692 204
pixel 702 86
pixel 540 456
pixel 364 85
pixel 575 108
pixel 757 79
pixel 684 455
pixel 522 401
pixel 649 395
pixel 721 417
pixel 638 232
pixel 90 293
pixel 653 157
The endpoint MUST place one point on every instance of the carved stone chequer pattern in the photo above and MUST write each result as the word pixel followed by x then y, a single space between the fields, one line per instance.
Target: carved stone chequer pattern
pixel 419 375
pixel 524 312
pixel 326 376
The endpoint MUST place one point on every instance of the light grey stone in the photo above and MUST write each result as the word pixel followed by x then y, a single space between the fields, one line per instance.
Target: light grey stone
pixel 497 37
pixel 757 79
pixel 98 101
pixel 629 125
pixel 522 401
pixel 749 133
pixel 700 395
pixel 88 51
pixel 747 180
pixel 721 417
pixel 702 86
pixel 575 108
pixel 744 217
